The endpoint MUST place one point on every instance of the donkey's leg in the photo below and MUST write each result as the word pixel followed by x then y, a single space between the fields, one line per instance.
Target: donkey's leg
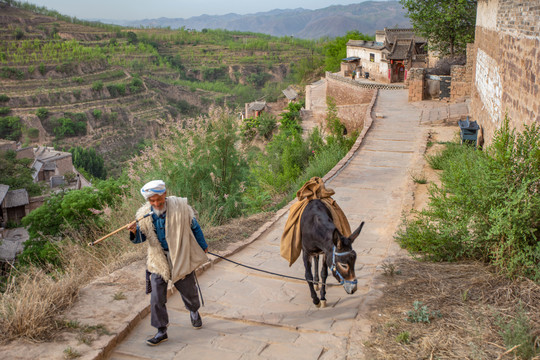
pixel 316 271
pixel 324 276
pixel 309 278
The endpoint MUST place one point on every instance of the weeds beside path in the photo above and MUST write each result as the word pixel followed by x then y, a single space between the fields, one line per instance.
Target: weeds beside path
pixel 463 310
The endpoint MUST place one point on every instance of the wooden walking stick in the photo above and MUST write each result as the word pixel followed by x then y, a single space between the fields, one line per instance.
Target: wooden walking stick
pixel 118 230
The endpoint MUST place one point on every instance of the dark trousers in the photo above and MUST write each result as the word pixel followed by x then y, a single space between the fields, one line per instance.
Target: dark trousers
pixel 187 288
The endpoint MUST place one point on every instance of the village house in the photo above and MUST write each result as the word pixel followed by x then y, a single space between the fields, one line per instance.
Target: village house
pixel 290 93
pixel 52 166
pixel 13 205
pixel 388 58
pixel 254 109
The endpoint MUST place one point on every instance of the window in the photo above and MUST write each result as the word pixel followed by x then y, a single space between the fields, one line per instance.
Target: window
pixel 371 57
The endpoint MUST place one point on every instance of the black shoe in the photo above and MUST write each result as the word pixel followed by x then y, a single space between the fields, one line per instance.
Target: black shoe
pixel 158 338
pixel 196 320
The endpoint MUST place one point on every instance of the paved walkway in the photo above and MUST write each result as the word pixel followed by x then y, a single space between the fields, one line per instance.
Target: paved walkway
pixel 249 315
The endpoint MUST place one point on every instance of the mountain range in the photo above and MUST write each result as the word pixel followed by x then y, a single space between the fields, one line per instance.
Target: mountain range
pixel 332 21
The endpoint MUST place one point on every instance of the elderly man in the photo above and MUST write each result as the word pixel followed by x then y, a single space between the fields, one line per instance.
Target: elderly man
pixel 176 247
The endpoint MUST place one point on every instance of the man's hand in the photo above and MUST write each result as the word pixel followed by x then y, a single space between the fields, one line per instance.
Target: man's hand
pixel 133 227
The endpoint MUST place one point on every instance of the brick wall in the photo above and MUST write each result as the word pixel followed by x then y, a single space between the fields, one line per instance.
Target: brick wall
pixel 416 82
pixel 506 69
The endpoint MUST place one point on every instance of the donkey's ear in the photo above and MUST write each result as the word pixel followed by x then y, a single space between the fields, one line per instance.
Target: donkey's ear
pixel 356 232
pixel 336 239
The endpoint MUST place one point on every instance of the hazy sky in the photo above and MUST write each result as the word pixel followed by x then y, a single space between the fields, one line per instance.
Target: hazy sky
pixel 148 9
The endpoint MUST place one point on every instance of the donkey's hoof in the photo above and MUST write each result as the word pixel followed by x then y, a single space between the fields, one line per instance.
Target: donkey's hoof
pixel 318 304
pixel 323 304
pixel 317 287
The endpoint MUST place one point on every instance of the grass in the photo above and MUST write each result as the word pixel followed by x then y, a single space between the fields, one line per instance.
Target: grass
pixel 119 296
pixel 71 353
pixel 517 334
pixel 34 298
pixel 418 178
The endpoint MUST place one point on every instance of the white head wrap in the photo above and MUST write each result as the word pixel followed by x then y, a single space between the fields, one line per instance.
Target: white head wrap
pixel 152 188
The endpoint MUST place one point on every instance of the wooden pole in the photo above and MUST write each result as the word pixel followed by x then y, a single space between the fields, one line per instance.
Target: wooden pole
pixel 118 230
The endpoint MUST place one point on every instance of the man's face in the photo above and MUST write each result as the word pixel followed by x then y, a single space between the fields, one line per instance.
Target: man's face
pixel 158 201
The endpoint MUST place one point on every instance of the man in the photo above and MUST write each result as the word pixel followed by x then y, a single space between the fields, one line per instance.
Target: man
pixel 176 247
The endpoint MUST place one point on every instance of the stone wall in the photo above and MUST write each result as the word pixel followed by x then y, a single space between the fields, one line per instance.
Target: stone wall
pixel 416 82
pixel 346 92
pixel 351 99
pixel 462 76
pixel 505 77
pixel 353 116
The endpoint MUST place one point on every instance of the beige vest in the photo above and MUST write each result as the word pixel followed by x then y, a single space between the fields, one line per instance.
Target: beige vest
pixel 185 253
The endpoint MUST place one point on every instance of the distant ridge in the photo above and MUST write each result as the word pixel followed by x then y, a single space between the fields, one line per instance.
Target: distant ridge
pixel 332 21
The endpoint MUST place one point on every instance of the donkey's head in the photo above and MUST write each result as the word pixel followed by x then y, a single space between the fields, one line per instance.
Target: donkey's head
pixel 344 259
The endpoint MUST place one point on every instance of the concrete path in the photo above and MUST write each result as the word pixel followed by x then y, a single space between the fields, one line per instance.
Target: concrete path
pixel 250 315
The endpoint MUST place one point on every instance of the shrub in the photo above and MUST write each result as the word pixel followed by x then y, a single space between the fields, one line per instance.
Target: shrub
pixel 41 68
pixel 136 85
pixel 249 128
pixel 11 73
pixel 33 133
pixel 96 113
pixel 4 98
pixel 203 164
pixel 5 110
pixel 42 113
pixel 518 332
pixel 420 313
pixel 487 206
pixel 116 89
pixel 267 124
pixel 10 128
pixel 97 85
pixel 18 33
pixel 68 127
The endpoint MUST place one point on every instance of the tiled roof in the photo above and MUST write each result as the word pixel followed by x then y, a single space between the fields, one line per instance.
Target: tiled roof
pixel 257 106
pixel 16 198
pixel 400 49
pixel 51 165
pixel 395 34
pixel 290 94
pixel 366 44
pixel 3 191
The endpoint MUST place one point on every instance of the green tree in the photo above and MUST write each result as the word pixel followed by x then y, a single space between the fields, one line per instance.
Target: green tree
pixel 10 128
pixel 89 160
pixel 447 24
pixel 17 173
pixel 337 49
pixel 73 209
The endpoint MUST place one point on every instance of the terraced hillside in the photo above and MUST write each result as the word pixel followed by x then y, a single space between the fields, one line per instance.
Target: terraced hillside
pixel 67 83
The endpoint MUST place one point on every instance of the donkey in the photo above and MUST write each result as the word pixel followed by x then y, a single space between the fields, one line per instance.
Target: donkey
pixel 320 236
